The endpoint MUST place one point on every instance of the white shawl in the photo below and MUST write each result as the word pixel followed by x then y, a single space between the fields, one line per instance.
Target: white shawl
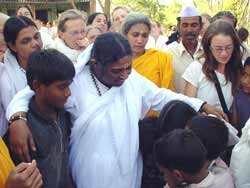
pixel 70 53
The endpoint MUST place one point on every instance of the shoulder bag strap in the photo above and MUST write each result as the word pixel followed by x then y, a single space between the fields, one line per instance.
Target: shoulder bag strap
pixel 220 94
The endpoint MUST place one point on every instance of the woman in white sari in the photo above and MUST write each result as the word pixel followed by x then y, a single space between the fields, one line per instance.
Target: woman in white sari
pixel 22 38
pixel 108 99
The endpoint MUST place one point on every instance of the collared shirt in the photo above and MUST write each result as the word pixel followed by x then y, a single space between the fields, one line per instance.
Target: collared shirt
pixel 181 60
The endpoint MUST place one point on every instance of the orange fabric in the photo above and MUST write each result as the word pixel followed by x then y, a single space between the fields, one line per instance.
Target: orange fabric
pixel 156 66
pixel 6 164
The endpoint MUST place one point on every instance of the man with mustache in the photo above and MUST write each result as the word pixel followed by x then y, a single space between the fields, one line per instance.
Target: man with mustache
pixel 189 25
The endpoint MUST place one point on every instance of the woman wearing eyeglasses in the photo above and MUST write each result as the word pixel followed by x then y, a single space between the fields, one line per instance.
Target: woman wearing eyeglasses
pixel 222 56
pixel 71 36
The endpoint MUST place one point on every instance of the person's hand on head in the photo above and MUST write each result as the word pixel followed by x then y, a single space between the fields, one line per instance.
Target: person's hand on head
pixel 209 109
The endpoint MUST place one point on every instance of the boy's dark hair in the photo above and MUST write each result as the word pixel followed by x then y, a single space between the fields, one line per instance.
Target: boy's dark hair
pixel 243 34
pixel 175 115
pixel 247 62
pixel 181 150
pixel 148 134
pixel 213 134
pixel 48 66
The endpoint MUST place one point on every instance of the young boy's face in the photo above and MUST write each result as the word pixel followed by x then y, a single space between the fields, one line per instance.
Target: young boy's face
pixel 245 80
pixel 56 94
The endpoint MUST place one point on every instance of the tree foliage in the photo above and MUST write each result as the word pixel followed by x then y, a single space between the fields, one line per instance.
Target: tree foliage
pixel 151 8
pixel 166 14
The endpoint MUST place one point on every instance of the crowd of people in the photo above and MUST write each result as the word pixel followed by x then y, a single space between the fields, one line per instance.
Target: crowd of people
pixel 98 103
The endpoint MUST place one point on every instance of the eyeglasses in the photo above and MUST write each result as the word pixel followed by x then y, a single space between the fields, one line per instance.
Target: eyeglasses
pixel 220 49
pixel 245 75
pixel 76 33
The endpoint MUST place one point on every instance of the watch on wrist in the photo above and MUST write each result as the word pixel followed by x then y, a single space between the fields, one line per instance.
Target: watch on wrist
pixel 17 117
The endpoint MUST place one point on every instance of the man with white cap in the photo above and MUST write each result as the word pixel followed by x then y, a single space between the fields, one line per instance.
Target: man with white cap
pixel 189 49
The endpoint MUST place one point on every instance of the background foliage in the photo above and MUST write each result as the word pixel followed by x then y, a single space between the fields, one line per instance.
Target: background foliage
pixel 166 14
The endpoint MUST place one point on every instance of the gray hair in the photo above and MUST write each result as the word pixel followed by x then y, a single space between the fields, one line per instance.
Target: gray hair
pixel 132 19
pixel 119 7
pixel 70 14
pixel 90 27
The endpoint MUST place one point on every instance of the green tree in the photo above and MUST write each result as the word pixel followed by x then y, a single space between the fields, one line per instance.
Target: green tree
pixel 164 14
pixel 239 7
pixel 167 14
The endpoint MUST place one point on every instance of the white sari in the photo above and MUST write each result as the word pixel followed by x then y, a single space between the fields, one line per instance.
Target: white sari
pixel 105 142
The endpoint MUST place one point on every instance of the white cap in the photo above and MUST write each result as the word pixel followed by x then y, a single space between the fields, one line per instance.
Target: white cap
pixel 189 12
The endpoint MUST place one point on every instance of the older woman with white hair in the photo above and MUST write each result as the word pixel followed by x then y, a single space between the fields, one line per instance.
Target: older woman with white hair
pixel 92 31
pixel 71 41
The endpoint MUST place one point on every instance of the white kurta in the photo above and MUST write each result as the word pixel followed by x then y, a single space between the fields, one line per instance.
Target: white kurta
pixel 181 60
pixel 105 141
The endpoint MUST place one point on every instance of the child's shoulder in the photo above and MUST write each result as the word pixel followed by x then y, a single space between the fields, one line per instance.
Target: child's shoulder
pixel 222 174
pixel 218 166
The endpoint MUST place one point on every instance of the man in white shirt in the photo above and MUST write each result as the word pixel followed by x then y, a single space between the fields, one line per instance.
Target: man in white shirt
pixel 189 49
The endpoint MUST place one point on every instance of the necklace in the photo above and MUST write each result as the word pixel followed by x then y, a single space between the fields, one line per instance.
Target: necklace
pixel 95 83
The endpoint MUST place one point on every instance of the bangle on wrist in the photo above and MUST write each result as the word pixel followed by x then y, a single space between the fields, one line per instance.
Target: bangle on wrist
pixel 17 117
